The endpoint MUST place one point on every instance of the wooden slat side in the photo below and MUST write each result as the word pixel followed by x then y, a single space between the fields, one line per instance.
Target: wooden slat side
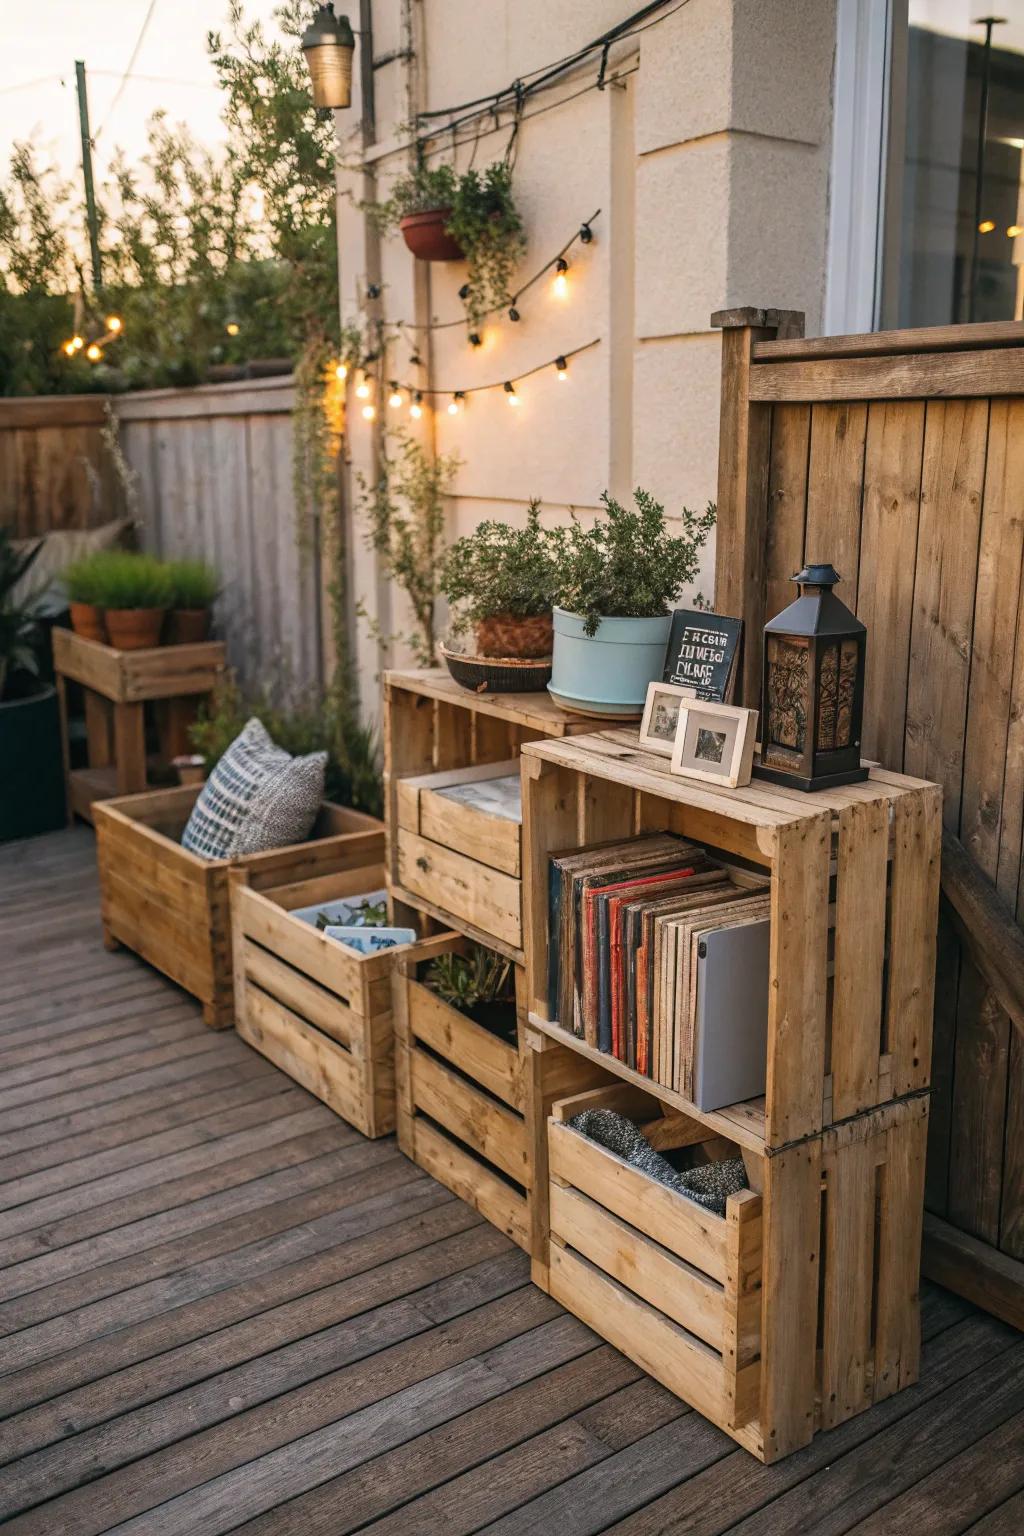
pixel 898 1322
pixel 473 1182
pixel 324 960
pixel 789 1309
pixel 741 1346
pixel 485 897
pixel 913 924
pixel 549 826
pixel 929 376
pixel 860 934
pixel 302 995
pixel 318 1064
pixel 848 1278
pixel 483 1124
pixel 925 338
pixel 787 503
pixel 490 840
pixel 490 1061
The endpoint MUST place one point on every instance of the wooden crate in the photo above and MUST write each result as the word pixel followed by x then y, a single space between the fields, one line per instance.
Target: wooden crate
pixel 118 685
pixel 173 908
pixel 849 1009
pixel 790 1314
pixel 455 854
pixel 471 1106
pixel 319 1011
pixel 431 725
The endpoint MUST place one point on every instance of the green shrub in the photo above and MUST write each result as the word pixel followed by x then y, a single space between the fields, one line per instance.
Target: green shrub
pixel 119 578
pixel 82 580
pixel 308 722
pixel 465 981
pixel 194 584
pixel 497 570
pixel 627 565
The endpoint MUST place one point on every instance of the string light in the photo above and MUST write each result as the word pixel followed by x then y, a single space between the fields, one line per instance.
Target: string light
pixel 986 226
pixel 69 348
pixel 395 397
pixel 562 369
pixel 464 292
pixel 363 388
pixel 475 339
pixel 77 343
pixel 341 372
pixel 510 393
pixel 115 324
pixel 586 234
pixel 1013 230
pixel 369 412
pixel 513 313
pixel 232 327
pixel 456 403
pixel 93 352
pixel 416 409
pixel 373 291
pixel 561 283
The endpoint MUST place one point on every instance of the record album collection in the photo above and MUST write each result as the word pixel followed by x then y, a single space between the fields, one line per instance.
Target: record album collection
pixel 630 962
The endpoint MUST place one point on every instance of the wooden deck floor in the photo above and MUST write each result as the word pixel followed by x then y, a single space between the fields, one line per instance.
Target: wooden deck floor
pixel 222 1310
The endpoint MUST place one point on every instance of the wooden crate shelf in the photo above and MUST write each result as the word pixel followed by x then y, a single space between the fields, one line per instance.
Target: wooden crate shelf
pixel 850 1007
pixel 173 908
pixel 319 1011
pixel 118 685
pixel 794 1311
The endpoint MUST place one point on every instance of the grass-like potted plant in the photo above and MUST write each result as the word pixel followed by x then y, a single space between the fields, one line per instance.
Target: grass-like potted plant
pixel 31 768
pixel 134 591
pixel 82 585
pixel 194 588
pixel 616 583
pixel 481 985
pixel 501 580
pixel 444 216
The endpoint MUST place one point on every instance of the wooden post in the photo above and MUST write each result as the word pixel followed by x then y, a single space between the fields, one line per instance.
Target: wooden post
pixel 743 449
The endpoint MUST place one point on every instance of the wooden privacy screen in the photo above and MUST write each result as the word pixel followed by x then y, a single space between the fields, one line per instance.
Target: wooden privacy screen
pixel 55 471
pixel 899 457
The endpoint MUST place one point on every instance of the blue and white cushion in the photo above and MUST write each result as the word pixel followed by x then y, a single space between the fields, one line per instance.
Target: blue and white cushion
pixel 257 797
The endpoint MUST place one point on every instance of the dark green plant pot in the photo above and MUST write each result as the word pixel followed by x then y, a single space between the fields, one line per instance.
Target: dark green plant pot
pixel 31 768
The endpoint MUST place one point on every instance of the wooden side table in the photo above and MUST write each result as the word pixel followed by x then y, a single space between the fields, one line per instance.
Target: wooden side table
pixel 118 685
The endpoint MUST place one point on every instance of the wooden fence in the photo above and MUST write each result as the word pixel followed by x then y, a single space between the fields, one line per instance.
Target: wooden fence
pixel 213 468
pixel 900 458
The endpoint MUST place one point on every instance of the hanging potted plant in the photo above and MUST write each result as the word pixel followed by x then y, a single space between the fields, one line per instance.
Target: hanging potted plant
pixel 194 586
pixel 82 585
pixel 500 581
pixel 135 593
pixel 447 217
pixel 31 766
pixel 616 583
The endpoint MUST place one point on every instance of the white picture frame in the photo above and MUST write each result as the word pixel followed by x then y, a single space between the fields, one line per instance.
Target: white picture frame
pixel 661 715
pixel 715 743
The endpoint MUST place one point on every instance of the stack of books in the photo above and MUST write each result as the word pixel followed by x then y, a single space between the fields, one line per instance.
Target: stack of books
pixel 658 955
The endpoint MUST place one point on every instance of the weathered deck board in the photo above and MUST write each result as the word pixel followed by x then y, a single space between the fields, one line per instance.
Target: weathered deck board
pixel 222 1310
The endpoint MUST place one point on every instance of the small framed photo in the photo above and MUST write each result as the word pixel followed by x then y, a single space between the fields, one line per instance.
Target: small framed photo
pixel 715 742
pixel 661 715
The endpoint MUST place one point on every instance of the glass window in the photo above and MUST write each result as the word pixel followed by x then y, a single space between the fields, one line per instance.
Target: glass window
pixel 961 234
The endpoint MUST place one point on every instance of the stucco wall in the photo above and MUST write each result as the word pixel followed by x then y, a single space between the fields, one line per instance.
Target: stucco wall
pixel 709 163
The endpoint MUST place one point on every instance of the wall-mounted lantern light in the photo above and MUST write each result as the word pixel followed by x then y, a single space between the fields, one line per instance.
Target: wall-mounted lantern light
pixel 329 43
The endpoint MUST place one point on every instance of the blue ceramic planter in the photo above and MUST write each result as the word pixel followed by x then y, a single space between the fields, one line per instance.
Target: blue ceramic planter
pixel 607 675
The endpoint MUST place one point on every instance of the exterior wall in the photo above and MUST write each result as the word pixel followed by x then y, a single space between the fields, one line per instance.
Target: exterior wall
pixel 709 163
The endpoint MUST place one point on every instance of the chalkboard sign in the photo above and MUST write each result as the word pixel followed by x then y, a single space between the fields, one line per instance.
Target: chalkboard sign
pixel 702 652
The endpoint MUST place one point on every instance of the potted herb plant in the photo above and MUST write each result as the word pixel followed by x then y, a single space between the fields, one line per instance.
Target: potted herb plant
pixel 194 587
pixel 81 583
pixel 480 985
pixel 616 583
pixel 31 766
pixel 501 580
pixel 134 591
pixel 445 217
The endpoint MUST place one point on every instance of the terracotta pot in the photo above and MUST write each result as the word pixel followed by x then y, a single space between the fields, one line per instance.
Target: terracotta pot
pixel 186 626
pixel 504 635
pixel 134 629
pixel 425 235
pixel 87 621
pixel 190 768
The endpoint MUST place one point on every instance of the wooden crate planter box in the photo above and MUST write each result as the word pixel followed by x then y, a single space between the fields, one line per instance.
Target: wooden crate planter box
pixel 460 857
pixel 854 901
pixel 319 1011
pixel 461 1100
pixel 794 1311
pixel 173 908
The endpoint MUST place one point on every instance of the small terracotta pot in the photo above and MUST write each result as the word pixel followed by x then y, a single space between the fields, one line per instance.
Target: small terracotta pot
pixel 190 768
pixel 87 621
pixel 134 629
pixel 186 626
pixel 425 235
pixel 507 636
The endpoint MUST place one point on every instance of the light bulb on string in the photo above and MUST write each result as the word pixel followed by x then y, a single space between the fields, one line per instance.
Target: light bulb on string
pixel 93 352
pixel 363 388
pixel 69 349
pixel 586 234
pixel 475 339
pixel 395 397
pixel 513 313
pixel 369 412
pixel 341 372
pixel 115 325
pixel 456 402
pixel 562 369
pixel 510 393
pixel 561 282
pixel 77 343
pixel 416 409
pixel 232 327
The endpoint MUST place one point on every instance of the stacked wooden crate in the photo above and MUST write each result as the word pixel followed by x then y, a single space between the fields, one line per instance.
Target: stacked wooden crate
pixel 798 1308
pixel 470 1106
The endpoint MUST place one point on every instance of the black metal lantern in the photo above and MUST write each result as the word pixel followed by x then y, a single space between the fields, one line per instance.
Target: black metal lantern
pixel 812 697
pixel 329 43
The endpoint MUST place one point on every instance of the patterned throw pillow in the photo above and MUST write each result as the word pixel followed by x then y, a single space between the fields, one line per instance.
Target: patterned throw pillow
pixel 257 797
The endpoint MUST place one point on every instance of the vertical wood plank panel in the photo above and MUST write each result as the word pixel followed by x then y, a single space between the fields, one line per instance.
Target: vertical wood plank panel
pixel 1011 1217
pixel 787 503
pixel 885 587
pixel 859 954
pixel 834 485
pixel 979 1107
